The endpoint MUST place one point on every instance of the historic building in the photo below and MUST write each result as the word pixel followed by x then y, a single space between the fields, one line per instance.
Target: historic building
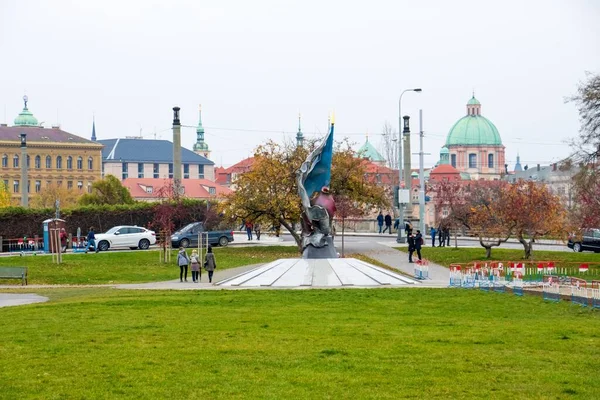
pixel 54 157
pixel 147 158
pixel 368 151
pixel 150 189
pixel 474 145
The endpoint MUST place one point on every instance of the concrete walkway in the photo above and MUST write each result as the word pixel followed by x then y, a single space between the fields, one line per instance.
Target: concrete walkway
pixel 19 299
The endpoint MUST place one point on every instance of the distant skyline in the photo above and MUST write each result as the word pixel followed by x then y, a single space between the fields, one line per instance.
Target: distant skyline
pixel 255 65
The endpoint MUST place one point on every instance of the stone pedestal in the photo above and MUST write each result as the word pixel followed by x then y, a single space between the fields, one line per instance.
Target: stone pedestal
pixel 311 252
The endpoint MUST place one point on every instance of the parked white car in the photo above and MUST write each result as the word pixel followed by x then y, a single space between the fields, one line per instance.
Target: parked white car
pixel 134 237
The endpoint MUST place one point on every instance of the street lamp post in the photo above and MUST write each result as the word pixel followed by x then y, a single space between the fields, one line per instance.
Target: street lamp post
pixel 401 239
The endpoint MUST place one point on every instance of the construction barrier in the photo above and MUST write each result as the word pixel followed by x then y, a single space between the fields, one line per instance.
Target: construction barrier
pixel 551 288
pixel 422 269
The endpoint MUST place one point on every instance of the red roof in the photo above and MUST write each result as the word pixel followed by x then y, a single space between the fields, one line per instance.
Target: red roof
pixel 223 175
pixel 194 188
pixel 444 172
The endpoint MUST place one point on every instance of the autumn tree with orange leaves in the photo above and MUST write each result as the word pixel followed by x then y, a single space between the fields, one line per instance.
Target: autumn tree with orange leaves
pixel 534 212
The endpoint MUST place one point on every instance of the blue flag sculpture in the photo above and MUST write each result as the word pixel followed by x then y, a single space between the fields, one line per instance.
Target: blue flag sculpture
pixel 313 176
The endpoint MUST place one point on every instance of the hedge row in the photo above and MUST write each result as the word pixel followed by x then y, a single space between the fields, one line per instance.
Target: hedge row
pixel 16 222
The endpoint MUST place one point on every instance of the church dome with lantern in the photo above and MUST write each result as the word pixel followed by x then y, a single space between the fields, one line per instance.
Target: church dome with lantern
pixel 25 117
pixel 474 145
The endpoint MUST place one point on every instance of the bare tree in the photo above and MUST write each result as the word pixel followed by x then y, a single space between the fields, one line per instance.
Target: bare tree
pixel 587 100
pixel 389 145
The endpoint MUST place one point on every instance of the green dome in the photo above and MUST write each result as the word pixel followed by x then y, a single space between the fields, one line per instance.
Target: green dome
pixel 200 146
pixel 26 118
pixel 444 150
pixel 473 102
pixel 368 151
pixel 473 130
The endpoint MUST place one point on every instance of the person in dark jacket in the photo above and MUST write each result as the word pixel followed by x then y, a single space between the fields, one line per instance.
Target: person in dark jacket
pixel 380 221
pixel 210 263
pixel 388 223
pixel 447 236
pixel 410 239
pixel 418 243
pixel 441 237
pixel 91 241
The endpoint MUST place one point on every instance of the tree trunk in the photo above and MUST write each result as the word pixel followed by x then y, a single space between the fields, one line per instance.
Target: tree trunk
pixel 343 230
pixel 527 246
pixel 295 235
pixel 488 251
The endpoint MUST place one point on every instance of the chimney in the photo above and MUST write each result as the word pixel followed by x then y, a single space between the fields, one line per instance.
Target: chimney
pixel 538 167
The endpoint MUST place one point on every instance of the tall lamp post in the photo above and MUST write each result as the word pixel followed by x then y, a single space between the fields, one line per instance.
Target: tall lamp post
pixel 401 239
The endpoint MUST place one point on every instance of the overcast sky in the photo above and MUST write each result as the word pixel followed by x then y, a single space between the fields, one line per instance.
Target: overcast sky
pixel 253 65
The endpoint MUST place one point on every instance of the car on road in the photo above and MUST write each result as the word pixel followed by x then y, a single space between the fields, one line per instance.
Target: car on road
pixel 134 237
pixel 588 240
pixel 188 236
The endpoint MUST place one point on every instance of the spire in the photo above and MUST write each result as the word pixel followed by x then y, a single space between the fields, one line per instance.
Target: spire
pixel 200 147
pixel 299 135
pixel 94 128
pixel 518 166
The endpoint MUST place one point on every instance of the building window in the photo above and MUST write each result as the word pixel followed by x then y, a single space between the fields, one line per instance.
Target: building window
pixel 125 170
pixel 490 161
pixel 445 212
pixel 79 185
pixel 79 162
pixel 155 171
pixel 69 185
pixel 6 184
pixel 200 171
pixel 48 184
pixel 16 186
pixel 453 160
pixel 28 186
pixel 472 160
pixel 170 170
pixel 58 162
pixel 149 189
pixel 48 162
pixel 212 190
pixel 59 183
pixel 186 171
pixel 16 161
pixel 90 163
pixel 4 161
pixel 69 162
pixel 38 186
pixel 38 162
pixel 89 187
pixel 140 170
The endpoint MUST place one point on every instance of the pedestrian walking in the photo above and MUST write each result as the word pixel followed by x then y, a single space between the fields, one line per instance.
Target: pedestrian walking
pixel 388 223
pixel 380 221
pixel 183 261
pixel 249 227
pixel 397 224
pixel 441 237
pixel 195 266
pixel 433 233
pixel 257 230
pixel 418 243
pixel 91 241
pixel 210 263
pixel 410 239
pixel 447 236
pixel 63 240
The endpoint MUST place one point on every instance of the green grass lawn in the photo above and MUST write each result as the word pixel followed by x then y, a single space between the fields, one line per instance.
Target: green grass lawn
pixel 105 343
pixel 131 267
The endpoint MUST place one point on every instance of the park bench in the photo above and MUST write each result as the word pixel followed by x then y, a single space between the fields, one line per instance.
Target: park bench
pixel 14 273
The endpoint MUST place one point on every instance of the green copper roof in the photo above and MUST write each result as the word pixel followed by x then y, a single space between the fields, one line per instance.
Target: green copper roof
pixel 473 101
pixel 200 144
pixel 368 151
pixel 473 130
pixel 444 150
pixel 26 118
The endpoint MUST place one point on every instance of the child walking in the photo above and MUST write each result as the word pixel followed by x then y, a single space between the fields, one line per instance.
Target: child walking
pixel 195 263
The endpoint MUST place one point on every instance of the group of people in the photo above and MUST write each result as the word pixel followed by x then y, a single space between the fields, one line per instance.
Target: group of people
pixel 443 235
pixel 249 226
pixel 388 223
pixel 193 261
